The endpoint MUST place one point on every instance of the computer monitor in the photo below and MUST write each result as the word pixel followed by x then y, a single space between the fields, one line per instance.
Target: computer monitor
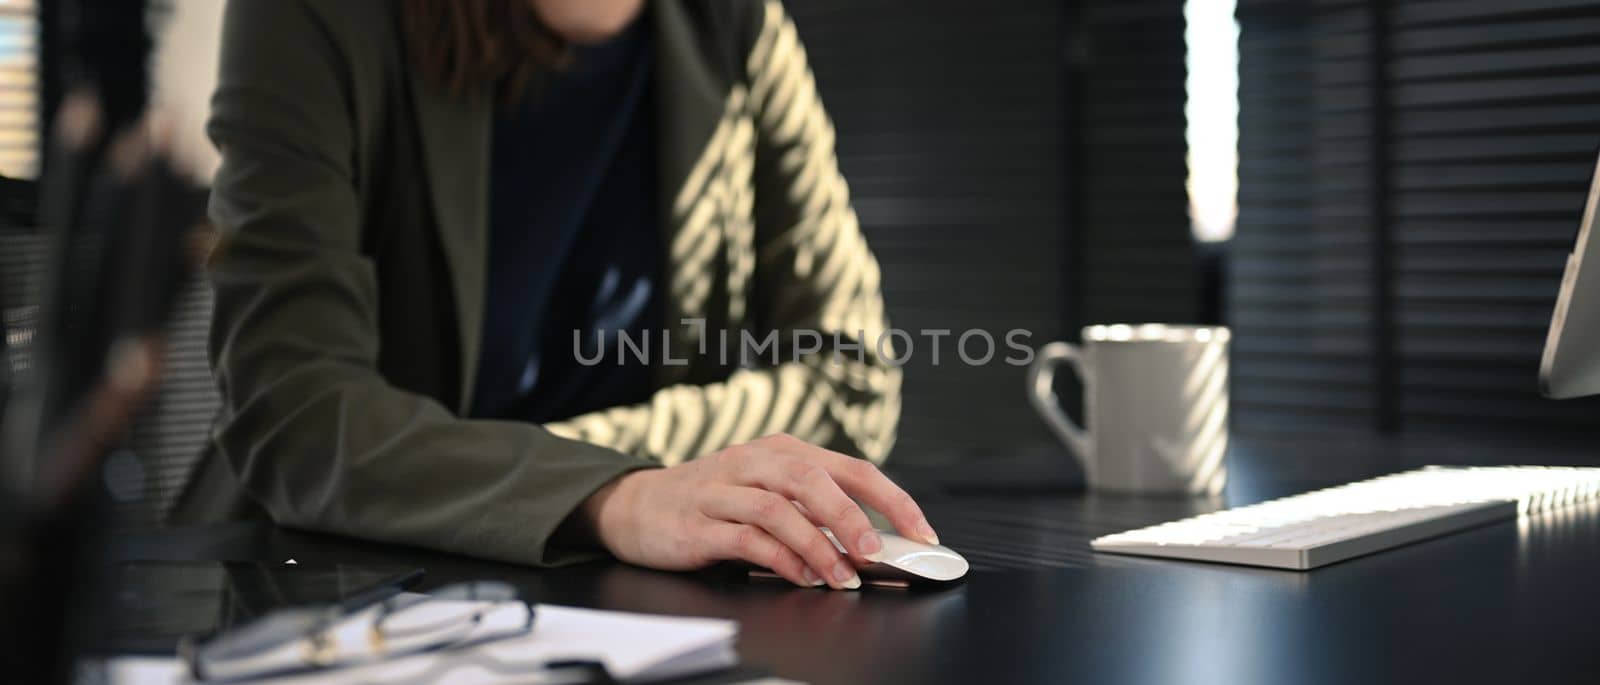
pixel 1571 364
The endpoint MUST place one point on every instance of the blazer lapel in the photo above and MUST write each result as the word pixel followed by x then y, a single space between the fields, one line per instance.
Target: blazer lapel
pixel 691 98
pixel 455 158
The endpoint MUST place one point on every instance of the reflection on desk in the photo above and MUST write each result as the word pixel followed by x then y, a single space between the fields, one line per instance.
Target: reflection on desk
pixel 1508 602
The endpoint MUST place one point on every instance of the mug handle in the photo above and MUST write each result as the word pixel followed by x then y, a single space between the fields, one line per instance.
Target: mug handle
pixel 1042 393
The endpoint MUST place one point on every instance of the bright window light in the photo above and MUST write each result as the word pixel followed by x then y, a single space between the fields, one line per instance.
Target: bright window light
pixel 1212 110
pixel 19 101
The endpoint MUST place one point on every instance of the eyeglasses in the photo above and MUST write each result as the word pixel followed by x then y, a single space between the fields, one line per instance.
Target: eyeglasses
pixel 311 638
pixel 451 616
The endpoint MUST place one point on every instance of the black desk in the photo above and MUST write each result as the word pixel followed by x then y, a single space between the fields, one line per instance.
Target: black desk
pixel 1509 602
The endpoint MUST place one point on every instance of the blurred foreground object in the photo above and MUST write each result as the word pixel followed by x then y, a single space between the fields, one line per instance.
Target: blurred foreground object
pixel 119 225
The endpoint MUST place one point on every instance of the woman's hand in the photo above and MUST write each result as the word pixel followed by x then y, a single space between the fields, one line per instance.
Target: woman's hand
pixel 760 502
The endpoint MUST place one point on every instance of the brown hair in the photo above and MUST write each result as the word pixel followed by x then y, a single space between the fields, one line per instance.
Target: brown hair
pixel 481 48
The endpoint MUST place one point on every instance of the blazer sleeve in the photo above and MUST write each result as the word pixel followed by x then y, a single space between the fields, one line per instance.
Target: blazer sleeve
pixel 309 426
pixel 812 271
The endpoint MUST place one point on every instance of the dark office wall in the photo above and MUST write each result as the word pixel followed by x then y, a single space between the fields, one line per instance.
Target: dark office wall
pixel 950 134
pixel 1017 164
pixel 1412 175
pixel 1132 253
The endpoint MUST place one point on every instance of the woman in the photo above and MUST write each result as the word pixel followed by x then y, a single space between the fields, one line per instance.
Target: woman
pixel 433 212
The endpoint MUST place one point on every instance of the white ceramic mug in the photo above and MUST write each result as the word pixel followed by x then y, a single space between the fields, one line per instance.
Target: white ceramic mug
pixel 1155 401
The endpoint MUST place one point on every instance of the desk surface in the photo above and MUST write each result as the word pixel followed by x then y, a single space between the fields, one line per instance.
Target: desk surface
pixel 1509 602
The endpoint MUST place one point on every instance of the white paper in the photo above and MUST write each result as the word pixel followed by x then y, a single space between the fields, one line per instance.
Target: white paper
pixel 631 646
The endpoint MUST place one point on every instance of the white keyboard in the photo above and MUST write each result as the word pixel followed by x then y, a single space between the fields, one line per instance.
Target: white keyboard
pixel 1322 527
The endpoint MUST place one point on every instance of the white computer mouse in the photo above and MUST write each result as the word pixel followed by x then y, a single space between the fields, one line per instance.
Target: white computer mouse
pixel 909 560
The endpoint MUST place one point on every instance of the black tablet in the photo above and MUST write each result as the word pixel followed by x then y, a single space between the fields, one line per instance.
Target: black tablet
pixel 154 603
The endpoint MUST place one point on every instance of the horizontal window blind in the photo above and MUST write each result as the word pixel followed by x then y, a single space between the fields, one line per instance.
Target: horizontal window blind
pixel 1300 271
pixel 1411 182
pixel 949 134
pixel 19 89
pixel 1131 222
pixel 1495 109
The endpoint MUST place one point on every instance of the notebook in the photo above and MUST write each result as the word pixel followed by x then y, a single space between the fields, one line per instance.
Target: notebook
pixel 631 647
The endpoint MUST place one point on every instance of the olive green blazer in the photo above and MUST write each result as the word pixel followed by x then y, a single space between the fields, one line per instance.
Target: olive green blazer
pixel 349 283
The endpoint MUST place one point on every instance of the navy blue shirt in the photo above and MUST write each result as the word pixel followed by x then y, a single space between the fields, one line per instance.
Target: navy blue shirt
pixel 574 239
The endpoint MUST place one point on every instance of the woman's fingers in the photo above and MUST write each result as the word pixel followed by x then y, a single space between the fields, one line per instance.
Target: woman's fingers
pixel 861 479
pixel 773 514
pixel 825 503
pixel 750 543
